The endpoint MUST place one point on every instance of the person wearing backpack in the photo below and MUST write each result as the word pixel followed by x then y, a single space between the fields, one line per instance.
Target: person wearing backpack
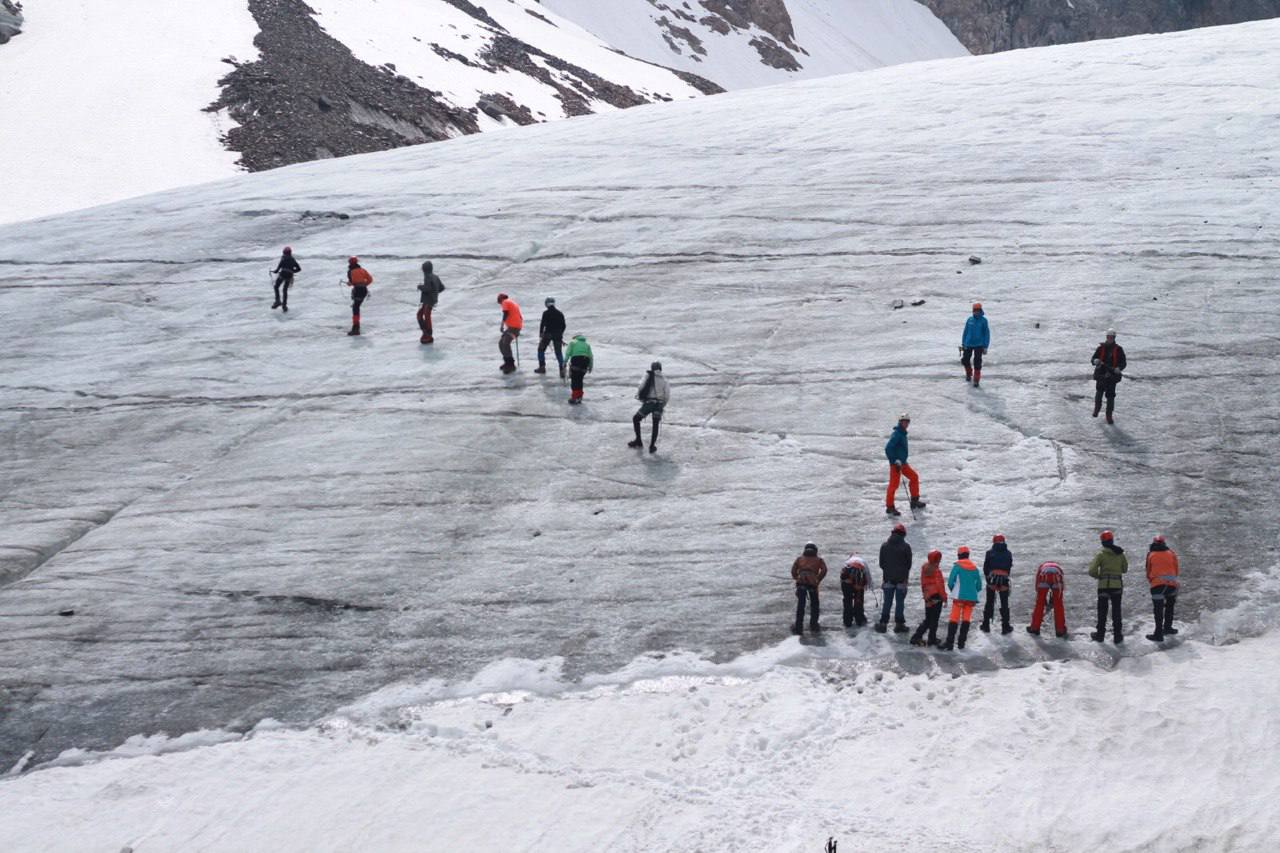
pixel 284 272
pixel 581 362
pixel 996 566
pixel 510 325
pixel 854 578
pixel 358 279
pixel 1162 574
pixel 653 396
pixel 807 571
pixel 1109 566
pixel 934 589
pixel 431 288
pixel 551 331
pixel 1050 586
pixel 965 583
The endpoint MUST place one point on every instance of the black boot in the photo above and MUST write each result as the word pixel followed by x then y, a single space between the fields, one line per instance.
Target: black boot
pixel 636 443
pixel 881 627
pixel 892 510
pixel 985 627
pixel 797 629
pixel 900 628
pixel 916 503
pixel 964 635
pixel 1005 627
pixel 1035 632
pixel 1101 634
pixel 1169 602
pixel 950 642
pixel 917 639
pixel 1157 636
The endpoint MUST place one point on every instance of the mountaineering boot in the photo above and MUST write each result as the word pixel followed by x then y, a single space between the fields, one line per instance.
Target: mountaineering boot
pixel 964 635
pixel 1005 627
pixel 636 444
pixel 1097 407
pixel 653 448
pixel 426 339
pixel 815 628
pixel 1035 632
pixel 881 627
pixel 1168 628
pixel 275 304
pixel 1110 419
pixel 950 642
pixel 1097 636
pixel 1101 634
pixel 968 374
pixel 892 510
pixel 900 628
pixel 917 640
pixel 797 629
pixel 284 306
pixel 1157 636
pixel 977 377
pixel 541 368
pixel 916 503
pixel 508 367
pixel 355 329
pixel 1062 635
pixel 985 627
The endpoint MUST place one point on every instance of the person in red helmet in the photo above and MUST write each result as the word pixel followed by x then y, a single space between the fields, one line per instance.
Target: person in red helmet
pixel 996 566
pixel 510 325
pixel 807 571
pixel 1109 566
pixel 1162 574
pixel 284 272
pixel 358 279
pixel 965 582
pixel 895 572
pixel 934 589
pixel 1050 585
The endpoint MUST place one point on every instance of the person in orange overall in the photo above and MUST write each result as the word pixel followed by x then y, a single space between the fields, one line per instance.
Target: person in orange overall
pixel 934 589
pixel 965 582
pixel 1162 574
pixel 511 324
pixel 807 571
pixel 1050 581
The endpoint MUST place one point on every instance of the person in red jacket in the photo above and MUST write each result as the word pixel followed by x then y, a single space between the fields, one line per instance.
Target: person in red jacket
pixel 854 579
pixel 358 279
pixel 807 571
pixel 510 326
pixel 1050 584
pixel 934 588
pixel 1162 574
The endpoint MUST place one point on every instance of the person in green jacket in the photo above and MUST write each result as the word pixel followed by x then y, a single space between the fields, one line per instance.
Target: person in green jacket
pixel 1109 566
pixel 580 363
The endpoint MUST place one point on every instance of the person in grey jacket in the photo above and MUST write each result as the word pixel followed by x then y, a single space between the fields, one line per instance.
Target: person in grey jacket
pixel 431 287
pixel 653 396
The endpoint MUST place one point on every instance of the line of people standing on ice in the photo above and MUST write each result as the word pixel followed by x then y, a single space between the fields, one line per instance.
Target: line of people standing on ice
pixel 965 583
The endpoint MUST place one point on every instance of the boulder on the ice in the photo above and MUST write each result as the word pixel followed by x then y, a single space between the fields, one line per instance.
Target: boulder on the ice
pixel 897 303
pixel 975 260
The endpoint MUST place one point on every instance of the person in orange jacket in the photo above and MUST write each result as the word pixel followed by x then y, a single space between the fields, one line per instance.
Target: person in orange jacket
pixel 807 571
pixel 511 324
pixel 965 582
pixel 358 279
pixel 1050 582
pixel 934 589
pixel 1162 574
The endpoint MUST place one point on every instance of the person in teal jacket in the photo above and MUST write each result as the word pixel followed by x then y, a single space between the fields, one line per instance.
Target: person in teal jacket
pixel 581 362
pixel 896 450
pixel 965 582
pixel 1109 566
pixel 973 344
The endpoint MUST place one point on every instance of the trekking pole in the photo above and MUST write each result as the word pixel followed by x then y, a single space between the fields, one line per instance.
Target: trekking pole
pixel 517 350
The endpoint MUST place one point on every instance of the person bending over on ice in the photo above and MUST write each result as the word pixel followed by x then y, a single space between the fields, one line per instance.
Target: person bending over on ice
pixel 1162 574
pixel 934 588
pixel 581 363
pixel 1109 566
pixel 1050 583
pixel 653 396
pixel 1108 366
pixel 431 289
pixel 284 276
pixel 551 331
pixel 854 578
pixel 965 583
pixel 808 571
pixel 896 450
pixel 358 279
pixel 510 325
pixel 996 566
pixel 974 343
pixel 895 571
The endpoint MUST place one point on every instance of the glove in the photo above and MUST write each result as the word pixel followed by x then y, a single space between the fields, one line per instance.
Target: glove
pixel 1094 362
pixel 984 350
pixel 897 465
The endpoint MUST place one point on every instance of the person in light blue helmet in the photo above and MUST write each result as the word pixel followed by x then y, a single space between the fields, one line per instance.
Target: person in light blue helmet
pixel 974 343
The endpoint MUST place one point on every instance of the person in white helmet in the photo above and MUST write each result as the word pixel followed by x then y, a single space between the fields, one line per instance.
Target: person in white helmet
pixel 1108 365
pixel 896 451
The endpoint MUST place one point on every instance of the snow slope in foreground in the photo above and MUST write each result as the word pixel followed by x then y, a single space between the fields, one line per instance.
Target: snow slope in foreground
pixel 1172 752
pixel 253 515
pixel 101 101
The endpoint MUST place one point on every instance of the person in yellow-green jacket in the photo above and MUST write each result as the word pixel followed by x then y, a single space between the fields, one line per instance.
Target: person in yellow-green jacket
pixel 581 362
pixel 1109 566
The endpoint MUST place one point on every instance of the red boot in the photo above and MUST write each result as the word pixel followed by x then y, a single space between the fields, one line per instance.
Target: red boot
pixel 977 377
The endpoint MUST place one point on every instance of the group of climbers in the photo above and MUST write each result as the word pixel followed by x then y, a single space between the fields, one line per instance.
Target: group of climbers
pixel 965 582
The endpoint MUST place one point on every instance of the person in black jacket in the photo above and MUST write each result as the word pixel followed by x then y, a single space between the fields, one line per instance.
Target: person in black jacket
pixel 995 571
pixel 430 288
pixel 284 276
pixel 551 330
pixel 895 568
pixel 1108 365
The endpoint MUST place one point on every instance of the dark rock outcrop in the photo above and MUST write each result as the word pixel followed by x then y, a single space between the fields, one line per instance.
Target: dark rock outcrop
pixel 989 26
pixel 10 19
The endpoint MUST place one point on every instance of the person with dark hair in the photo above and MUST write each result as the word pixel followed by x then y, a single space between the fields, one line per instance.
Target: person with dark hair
pixel 653 396
pixel 1108 366
pixel 284 272
pixel 551 331
pixel 895 571
pixel 1109 566
pixel 807 571
pixel 510 325
pixel 358 279
pixel 431 289
pixel 995 571
pixel 1162 574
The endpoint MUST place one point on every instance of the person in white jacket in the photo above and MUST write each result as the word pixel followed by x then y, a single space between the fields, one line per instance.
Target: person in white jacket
pixel 653 395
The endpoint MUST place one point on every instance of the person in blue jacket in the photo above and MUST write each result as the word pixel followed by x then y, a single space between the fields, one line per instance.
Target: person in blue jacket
pixel 974 343
pixel 895 449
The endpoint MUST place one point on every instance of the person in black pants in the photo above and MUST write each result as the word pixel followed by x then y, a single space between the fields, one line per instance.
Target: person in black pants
pixel 807 571
pixel 551 331
pixel 358 279
pixel 1108 366
pixel 284 276
pixel 854 578
pixel 995 570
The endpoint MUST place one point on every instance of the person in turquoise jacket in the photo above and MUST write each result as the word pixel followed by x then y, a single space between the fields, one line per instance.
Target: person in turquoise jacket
pixel 965 582
pixel 581 363
pixel 895 450
pixel 974 343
